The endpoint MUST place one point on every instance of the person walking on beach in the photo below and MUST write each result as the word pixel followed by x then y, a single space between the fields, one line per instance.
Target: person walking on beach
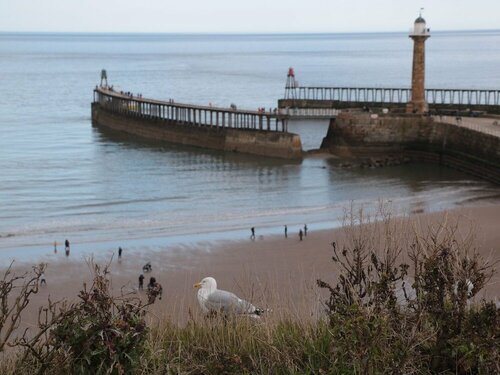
pixel 66 247
pixel 154 290
pixel 305 230
pixel 286 231
pixel 120 250
pixel 300 234
pixel 42 279
pixel 253 233
pixel 55 247
pixel 141 282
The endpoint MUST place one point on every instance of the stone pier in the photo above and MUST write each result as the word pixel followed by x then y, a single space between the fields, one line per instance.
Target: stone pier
pixel 252 132
pixel 468 144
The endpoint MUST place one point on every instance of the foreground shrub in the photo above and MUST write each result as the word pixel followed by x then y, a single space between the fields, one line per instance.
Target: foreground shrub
pixel 103 334
pixel 15 294
pixel 385 320
pixel 99 334
pixel 448 274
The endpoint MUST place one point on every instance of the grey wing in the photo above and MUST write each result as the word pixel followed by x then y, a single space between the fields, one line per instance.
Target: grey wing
pixel 220 300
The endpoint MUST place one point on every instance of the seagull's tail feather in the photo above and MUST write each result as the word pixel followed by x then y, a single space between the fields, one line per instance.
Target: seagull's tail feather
pixel 260 312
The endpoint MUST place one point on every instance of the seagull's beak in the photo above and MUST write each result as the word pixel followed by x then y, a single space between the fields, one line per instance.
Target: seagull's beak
pixel 197 285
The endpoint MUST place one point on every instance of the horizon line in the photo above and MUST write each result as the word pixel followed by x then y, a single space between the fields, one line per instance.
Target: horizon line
pixel 235 32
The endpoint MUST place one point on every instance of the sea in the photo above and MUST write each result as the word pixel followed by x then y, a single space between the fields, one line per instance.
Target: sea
pixel 61 178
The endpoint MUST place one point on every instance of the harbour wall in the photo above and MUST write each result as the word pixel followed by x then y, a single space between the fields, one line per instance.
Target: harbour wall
pixel 257 142
pixel 419 137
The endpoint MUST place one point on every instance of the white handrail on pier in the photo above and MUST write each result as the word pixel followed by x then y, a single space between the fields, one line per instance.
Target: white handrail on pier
pixel 310 112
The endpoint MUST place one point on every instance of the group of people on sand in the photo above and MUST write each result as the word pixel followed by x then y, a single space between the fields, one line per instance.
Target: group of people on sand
pixel 302 233
pixel 154 289
pixel 66 247
pixel 43 280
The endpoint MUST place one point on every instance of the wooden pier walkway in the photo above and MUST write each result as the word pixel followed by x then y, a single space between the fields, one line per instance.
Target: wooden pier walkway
pixel 358 97
pixel 461 97
pixel 188 114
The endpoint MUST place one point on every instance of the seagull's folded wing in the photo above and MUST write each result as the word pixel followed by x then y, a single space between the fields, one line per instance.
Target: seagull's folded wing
pixel 220 300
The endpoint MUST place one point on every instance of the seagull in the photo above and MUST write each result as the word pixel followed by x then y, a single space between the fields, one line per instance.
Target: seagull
pixel 212 299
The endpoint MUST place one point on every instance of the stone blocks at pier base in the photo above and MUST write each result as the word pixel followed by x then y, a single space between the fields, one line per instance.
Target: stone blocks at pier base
pixel 421 138
pixel 419 107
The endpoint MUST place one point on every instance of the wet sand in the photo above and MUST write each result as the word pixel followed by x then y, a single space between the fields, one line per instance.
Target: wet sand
pixel 273 272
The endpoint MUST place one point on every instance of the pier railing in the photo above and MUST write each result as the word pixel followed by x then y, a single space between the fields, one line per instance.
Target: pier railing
pixel 310 113
pixel 460 97
pixel 193 115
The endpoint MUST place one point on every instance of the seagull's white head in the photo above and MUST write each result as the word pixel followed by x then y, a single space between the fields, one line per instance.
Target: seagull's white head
pixel 208 283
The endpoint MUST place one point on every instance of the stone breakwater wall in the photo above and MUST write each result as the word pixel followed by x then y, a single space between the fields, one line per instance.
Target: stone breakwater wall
pixel 257 142
pixel 419 137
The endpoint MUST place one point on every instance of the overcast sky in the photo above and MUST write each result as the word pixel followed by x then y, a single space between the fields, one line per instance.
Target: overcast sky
pixel 244 16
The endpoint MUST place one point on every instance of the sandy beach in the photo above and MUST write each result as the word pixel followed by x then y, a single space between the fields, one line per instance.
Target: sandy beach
pixel 269 271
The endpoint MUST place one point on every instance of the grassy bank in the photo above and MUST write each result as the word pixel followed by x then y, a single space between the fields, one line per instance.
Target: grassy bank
pixel 404 301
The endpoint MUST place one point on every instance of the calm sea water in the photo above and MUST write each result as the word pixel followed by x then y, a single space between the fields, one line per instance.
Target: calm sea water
pixel 61 178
